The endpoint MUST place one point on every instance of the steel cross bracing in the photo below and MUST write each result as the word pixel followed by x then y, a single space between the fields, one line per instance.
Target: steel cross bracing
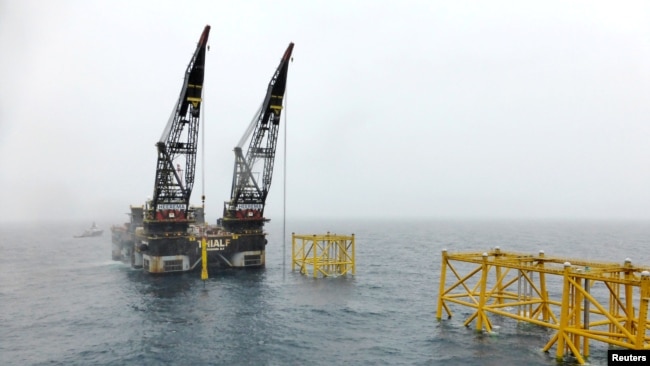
pixel 326 255
pixel 170 185
pixel 247 190
pixel 580 300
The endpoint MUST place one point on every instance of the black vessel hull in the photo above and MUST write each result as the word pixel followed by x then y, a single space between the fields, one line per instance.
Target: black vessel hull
pixel 237 251
pixel 182 253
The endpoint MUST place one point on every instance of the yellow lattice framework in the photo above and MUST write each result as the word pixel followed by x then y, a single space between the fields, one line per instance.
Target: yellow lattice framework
pixel 326 255
pixel 603 301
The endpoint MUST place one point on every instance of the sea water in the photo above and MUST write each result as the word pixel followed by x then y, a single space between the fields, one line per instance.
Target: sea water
pixel 64 302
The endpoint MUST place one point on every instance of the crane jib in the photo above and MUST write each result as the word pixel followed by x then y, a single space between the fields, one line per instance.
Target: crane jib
pixel 244 212
pixel 178 143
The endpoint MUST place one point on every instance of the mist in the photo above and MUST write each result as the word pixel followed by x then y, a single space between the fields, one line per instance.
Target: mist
pixel 416 109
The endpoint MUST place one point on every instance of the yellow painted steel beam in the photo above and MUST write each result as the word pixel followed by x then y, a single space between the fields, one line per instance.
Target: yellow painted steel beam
pixel 204 259
pixel 441 291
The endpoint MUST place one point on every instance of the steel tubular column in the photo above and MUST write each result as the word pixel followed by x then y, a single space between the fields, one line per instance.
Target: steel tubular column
pixel 441 291
pixel 643 310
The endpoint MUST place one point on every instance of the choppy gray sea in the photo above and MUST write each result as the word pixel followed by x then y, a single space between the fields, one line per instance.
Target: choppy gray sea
pixel 64 302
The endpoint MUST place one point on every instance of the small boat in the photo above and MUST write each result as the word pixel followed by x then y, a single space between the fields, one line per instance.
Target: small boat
pixel 93 231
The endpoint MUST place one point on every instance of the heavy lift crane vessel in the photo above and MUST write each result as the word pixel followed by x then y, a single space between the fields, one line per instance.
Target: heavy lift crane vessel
pixel 162 236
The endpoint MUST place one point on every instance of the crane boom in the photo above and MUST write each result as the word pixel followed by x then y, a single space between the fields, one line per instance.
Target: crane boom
pixel 245 210
pixel 177 147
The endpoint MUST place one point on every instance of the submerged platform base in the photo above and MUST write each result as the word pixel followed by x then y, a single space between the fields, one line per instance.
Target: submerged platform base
pixel 606 302
pixel 326 255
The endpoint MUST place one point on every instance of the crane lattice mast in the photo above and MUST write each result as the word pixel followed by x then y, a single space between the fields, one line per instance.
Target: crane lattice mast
pixel 250 187
pixel 177 147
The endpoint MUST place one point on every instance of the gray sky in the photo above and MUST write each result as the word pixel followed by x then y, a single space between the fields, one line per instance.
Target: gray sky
pixel 432 109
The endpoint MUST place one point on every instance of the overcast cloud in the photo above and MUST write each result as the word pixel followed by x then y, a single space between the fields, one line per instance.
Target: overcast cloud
pixel 433 109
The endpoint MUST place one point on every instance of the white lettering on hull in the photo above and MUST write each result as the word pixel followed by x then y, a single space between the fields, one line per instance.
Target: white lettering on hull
pixel 170 206
pixel 250 206
pixel 217 244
